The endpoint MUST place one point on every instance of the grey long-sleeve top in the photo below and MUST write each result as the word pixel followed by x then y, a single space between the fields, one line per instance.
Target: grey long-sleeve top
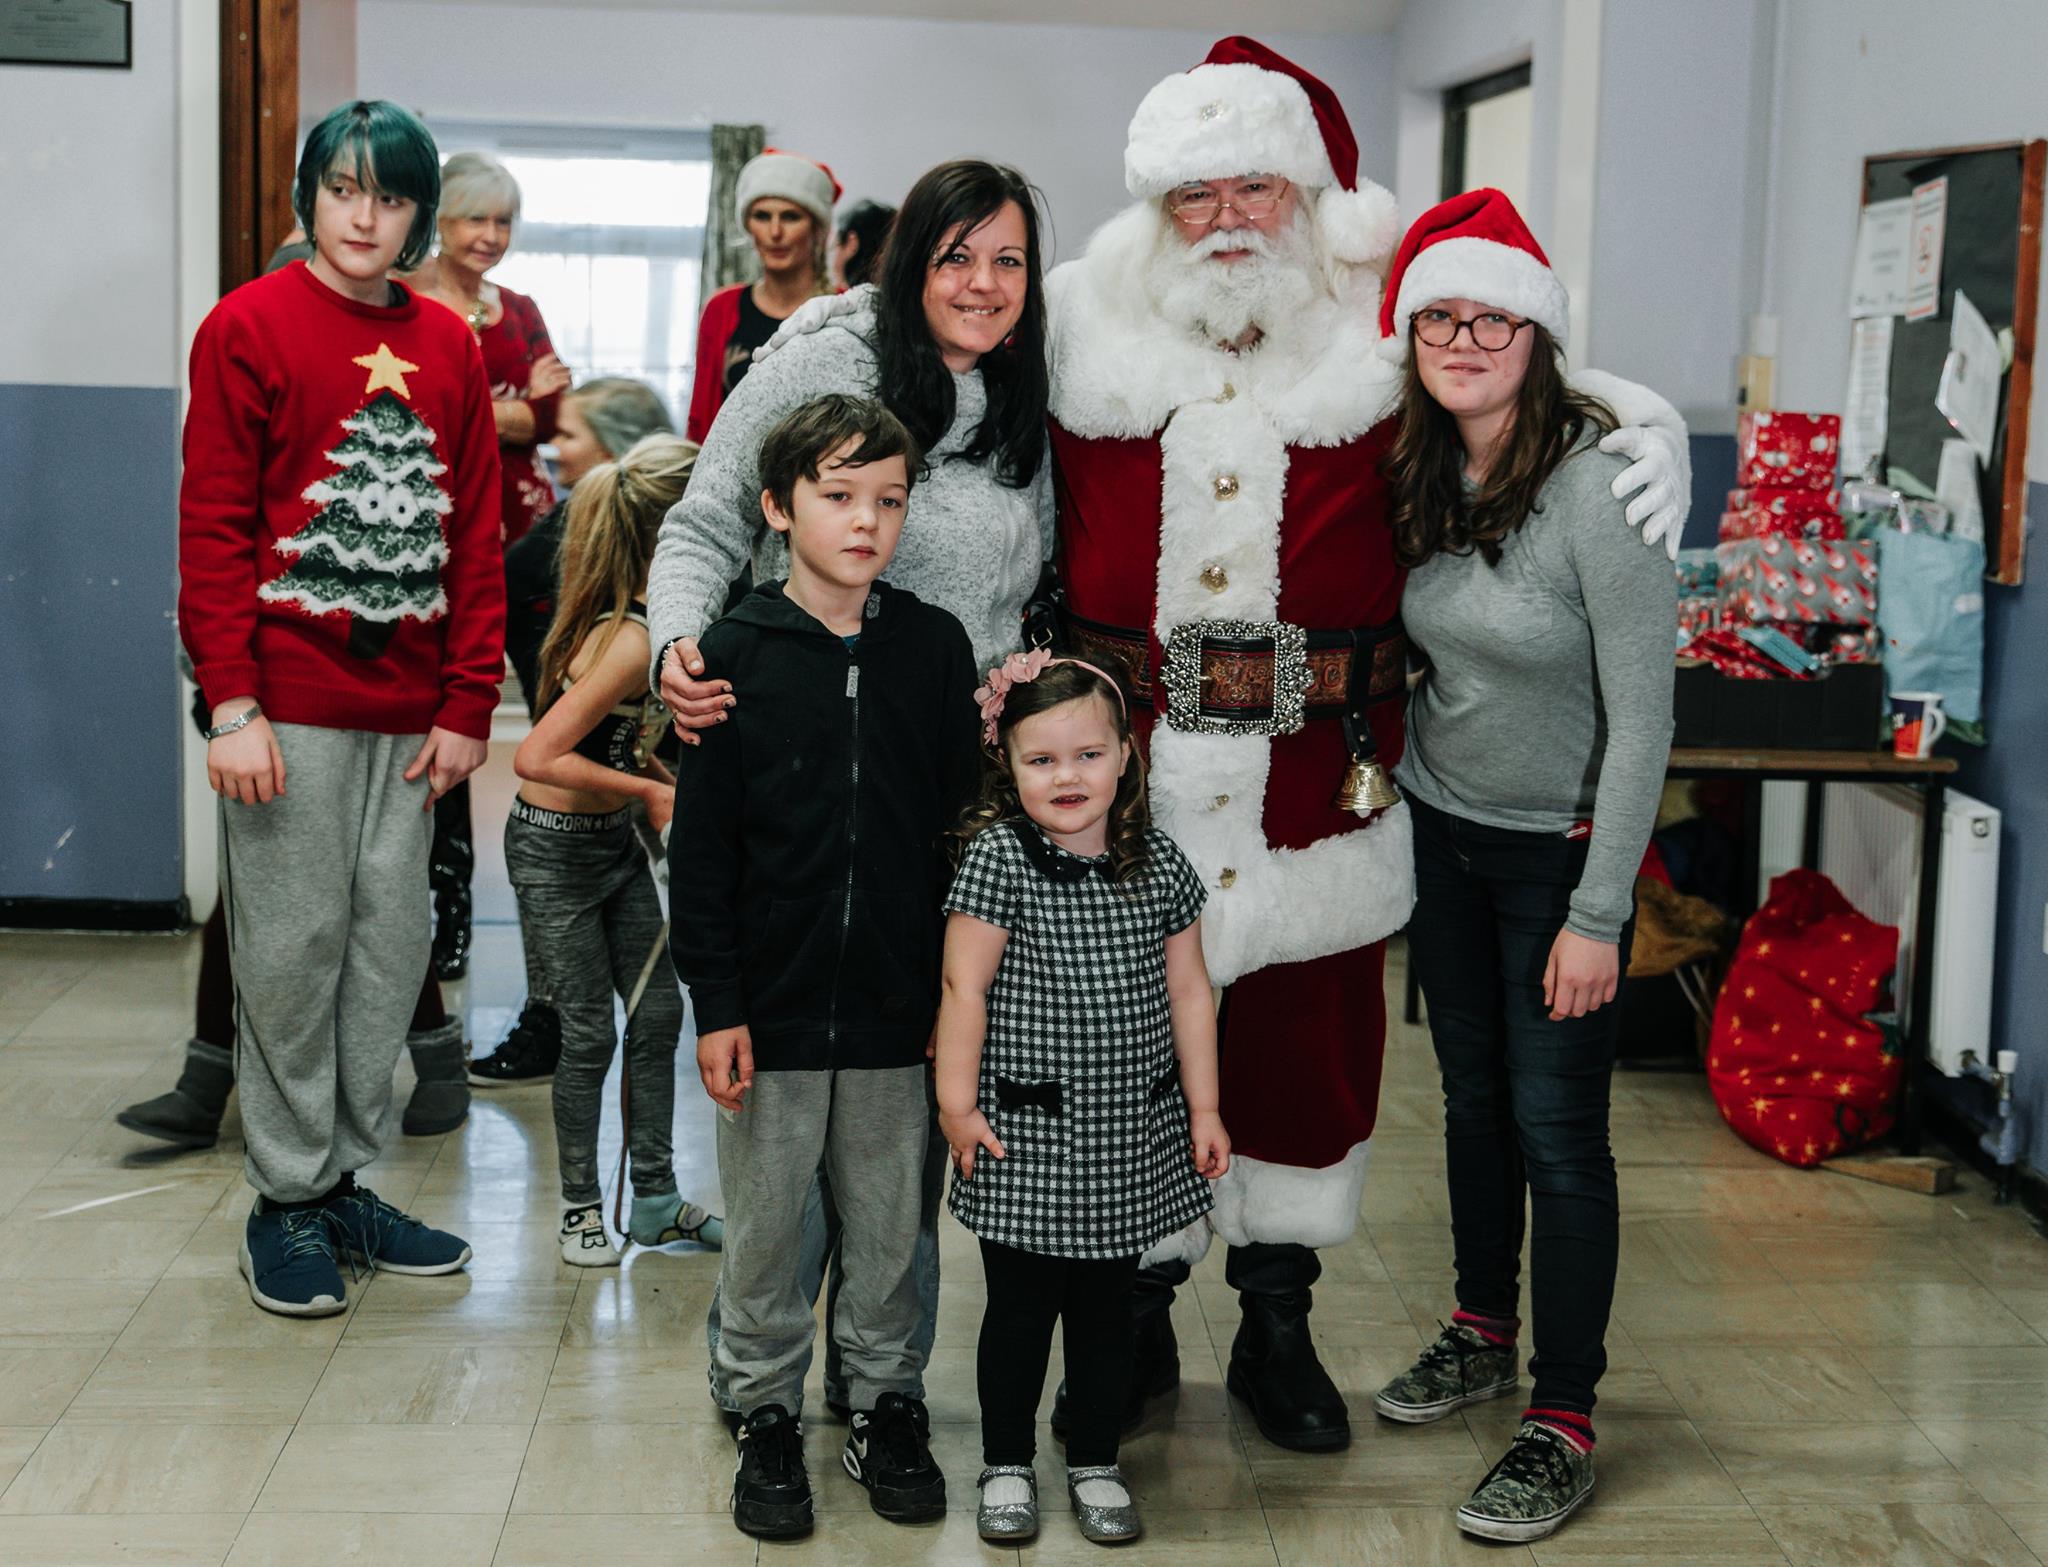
pixel 1548 694
pixel 970 545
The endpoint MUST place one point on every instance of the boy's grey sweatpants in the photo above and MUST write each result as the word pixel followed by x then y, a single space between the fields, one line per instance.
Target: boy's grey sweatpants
pixel 868 1130
pixel 327 915
pixel 587 901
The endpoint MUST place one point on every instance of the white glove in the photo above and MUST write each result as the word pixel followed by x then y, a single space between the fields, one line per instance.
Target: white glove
pixel 1653 436
pixel 813 314
pixel 1661 469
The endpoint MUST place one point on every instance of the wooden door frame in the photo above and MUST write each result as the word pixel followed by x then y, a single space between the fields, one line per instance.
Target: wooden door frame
pixel 259 124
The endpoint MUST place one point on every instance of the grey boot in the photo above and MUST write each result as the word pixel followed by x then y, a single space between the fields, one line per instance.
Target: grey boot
pixel 189 1115
pixel 440 1097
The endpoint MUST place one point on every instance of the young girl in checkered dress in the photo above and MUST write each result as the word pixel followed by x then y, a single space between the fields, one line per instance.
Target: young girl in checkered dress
pixel 1076 1070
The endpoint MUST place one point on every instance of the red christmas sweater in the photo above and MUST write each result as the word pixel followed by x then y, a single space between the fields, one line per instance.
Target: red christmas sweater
pixel 338 521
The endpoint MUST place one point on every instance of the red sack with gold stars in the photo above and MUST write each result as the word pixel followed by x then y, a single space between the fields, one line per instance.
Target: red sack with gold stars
pixel 1795 1065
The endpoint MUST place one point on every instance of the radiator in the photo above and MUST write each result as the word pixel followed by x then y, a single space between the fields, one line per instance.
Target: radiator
pixel 1870 848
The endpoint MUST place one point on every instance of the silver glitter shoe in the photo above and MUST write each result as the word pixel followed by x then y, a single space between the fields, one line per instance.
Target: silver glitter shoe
pixel 1008 1520
pixel 1104 1525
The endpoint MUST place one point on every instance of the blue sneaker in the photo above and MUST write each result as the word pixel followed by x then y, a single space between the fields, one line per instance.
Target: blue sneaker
pixel 288 1259
pixel 371 1231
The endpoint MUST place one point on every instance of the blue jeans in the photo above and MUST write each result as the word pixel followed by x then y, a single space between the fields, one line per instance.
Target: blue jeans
pixel 1525 1099
pixel 821 1244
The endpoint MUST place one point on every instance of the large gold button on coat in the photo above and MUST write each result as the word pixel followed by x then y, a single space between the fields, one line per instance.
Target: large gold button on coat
pixel 1219 802
pixel 1227 393
pixel 1215 578
pixel 1228 878
pixel 1226 486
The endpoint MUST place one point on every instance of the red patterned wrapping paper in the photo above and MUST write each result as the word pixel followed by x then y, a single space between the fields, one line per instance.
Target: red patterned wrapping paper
pixel 1791 451
pixel 1794 514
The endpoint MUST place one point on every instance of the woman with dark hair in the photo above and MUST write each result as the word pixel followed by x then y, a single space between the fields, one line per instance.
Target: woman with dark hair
pixel 952 340
pixel 785 204
pixel 1537 743
pixel 857 248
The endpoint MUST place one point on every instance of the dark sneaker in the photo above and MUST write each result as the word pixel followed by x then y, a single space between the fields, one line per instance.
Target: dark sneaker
pixel 288 1259
pixel 370 1230
pixel 771 1494
pixel 526 1055
pixel 889 1450
pixel 1460 1368
pixel 1532 1490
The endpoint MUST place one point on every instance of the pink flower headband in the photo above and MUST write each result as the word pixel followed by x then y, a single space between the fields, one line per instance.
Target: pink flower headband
pixel 1019 669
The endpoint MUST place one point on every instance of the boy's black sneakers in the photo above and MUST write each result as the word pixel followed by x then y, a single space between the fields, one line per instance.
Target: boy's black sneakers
pixel 771 1494
pixel 528 1054
pixel 889 1450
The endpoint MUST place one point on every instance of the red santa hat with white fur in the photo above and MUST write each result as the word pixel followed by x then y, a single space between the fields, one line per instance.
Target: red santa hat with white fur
pixel 1246 110
pixel 1474 246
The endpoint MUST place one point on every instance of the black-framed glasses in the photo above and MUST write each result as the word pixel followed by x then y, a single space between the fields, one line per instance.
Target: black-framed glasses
pixel 1254 198
pixel 1491 329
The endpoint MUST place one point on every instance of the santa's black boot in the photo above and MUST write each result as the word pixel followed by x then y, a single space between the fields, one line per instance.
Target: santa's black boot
pixel 189 1115
pixel 1155 1364
pixel 1273 1364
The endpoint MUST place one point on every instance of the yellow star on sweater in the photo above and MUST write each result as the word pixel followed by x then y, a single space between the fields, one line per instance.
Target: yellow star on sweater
pixel 386 369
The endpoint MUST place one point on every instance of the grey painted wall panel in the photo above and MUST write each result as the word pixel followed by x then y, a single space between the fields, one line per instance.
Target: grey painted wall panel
pixel 89 763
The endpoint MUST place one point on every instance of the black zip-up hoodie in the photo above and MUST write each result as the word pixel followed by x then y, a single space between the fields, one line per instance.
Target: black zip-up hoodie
pixel 806 864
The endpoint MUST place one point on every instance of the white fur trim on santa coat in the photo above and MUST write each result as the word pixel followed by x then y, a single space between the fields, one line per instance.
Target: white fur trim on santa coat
pixel 1488 273
pixel 1262 1204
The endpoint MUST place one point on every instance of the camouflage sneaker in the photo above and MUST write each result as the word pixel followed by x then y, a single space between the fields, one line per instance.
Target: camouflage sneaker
pixel 1532 1490
pixel 1460 1368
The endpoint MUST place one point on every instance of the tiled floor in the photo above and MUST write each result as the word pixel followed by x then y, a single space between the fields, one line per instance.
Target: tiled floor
pixel 1806 1369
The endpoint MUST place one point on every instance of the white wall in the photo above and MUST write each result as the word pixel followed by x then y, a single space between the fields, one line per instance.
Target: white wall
pixel 89 171
pixel 1684 101
pixel 881 99
pixel 1873 76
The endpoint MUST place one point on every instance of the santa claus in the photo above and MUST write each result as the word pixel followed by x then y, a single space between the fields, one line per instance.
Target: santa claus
pixel 1219 414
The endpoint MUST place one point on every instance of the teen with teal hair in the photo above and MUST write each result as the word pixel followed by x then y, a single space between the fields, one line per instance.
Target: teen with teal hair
pixel 342 599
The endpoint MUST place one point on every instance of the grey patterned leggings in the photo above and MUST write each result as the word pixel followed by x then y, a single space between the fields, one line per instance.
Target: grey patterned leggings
pixel 587 903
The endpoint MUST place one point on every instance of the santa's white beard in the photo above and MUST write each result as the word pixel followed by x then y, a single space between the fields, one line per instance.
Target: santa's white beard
pixel 1223 300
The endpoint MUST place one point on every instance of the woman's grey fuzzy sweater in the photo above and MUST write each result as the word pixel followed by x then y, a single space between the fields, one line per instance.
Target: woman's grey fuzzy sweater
pixel 970 545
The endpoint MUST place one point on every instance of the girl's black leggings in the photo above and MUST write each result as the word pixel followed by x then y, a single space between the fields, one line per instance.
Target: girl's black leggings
pixel 1027 1291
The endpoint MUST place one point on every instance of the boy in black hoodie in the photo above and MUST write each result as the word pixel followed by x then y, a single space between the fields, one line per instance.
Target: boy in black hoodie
pixel 807 926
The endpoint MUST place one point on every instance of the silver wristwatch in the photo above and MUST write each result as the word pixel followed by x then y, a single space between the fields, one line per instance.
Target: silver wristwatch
pixel 241 720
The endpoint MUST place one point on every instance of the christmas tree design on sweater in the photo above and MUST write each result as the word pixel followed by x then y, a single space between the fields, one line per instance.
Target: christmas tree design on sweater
pixel 374 548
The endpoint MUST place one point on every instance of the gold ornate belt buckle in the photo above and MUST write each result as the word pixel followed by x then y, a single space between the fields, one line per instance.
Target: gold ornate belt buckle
pixel 1188 649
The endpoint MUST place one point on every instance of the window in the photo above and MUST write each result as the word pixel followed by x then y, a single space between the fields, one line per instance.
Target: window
pixel 609 244
pixel 1486 135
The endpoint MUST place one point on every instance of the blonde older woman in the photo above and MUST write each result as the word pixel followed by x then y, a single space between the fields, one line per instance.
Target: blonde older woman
pixel 479 208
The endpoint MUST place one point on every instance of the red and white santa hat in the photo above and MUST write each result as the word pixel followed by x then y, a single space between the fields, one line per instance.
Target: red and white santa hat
pixel 1246 110
pixel 1474 246
pixel 790 177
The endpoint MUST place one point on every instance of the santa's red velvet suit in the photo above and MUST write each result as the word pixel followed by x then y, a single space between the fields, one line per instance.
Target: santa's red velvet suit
pixel 1195 486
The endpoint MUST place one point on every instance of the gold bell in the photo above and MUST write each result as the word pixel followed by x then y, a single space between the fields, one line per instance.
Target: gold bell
pixel 1366 788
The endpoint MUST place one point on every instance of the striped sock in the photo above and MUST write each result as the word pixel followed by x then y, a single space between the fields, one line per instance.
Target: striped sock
pixel 1498 1331
pixel 1574 1427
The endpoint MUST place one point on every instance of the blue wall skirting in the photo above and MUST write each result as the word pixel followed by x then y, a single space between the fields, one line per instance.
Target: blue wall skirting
pixel 2009 773
pixel 89 766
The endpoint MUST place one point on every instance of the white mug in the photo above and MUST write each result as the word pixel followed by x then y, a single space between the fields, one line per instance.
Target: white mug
pixel 1917 722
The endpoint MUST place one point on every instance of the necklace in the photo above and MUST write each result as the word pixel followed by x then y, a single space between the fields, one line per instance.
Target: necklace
pixel 477 314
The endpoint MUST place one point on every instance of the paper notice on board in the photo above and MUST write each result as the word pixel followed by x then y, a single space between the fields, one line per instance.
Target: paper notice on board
pixel 1968 392
pixel 1877 286
pixel 1864 410
pixel 1956 487
pixel 1924 246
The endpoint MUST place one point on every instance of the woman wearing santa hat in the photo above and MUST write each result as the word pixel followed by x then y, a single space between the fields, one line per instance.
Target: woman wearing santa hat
pixel 1537 742
pixel 785 204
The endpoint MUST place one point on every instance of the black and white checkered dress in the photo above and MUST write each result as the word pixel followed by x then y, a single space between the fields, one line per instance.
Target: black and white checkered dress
pixel 1078 1075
